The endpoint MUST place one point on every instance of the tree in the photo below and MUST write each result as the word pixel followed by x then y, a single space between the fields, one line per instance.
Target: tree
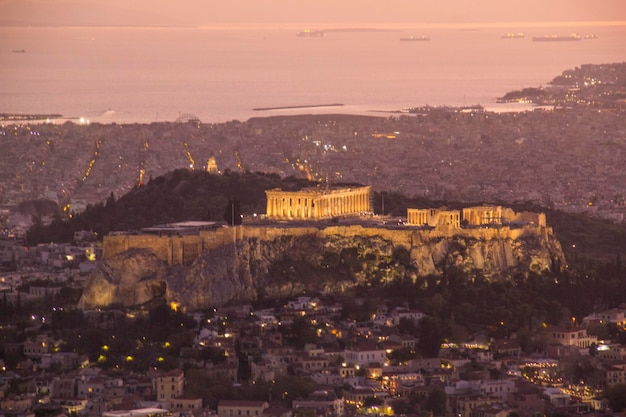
pixel 436 402
pixel 372 401
pixel 617 397
pixel 401 355
pixel 400 406
pixel 429 337
pixel 301 332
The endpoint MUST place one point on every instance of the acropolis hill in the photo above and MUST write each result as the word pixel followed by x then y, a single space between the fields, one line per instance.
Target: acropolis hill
pixel 201 265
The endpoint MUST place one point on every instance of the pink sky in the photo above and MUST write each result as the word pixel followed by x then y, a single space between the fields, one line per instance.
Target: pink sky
pixel 304 12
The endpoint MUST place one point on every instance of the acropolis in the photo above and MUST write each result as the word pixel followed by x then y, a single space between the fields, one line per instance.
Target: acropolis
pixel 308 211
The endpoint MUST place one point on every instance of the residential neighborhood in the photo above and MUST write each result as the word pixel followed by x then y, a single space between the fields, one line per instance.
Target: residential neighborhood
pixel 312 355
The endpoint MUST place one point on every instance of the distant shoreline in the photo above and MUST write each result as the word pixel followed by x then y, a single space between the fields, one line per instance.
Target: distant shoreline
pixel 17 117
pixel 304 106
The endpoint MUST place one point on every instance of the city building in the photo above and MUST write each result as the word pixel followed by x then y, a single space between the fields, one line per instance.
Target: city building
pixel 576 336
pixel 241 408
pixel 140 412
pixel 169 385
pixel 365 354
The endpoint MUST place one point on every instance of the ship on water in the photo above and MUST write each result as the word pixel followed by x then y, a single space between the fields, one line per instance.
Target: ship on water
pixel 308 33
pixel 557 38
pixel 513 35
pixel 416 38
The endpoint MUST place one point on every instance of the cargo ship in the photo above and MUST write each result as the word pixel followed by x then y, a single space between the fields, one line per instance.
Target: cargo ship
pixel 512 35
pixel 415 38
pixel 307 33
pixel 557 38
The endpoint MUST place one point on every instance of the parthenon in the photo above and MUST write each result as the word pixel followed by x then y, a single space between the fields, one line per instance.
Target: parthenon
pixel 317 203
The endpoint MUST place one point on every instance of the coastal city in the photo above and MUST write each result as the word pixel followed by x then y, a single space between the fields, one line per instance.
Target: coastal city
pixel 374 349
pixel 567 156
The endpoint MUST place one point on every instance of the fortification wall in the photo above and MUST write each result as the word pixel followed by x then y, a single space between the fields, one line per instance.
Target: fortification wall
pixel 177 250
pixel 174 250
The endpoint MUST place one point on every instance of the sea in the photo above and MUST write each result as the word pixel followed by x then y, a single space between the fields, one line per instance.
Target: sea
pixel 157 74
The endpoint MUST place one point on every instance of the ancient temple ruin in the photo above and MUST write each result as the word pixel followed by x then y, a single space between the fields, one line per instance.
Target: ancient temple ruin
pixel 317 203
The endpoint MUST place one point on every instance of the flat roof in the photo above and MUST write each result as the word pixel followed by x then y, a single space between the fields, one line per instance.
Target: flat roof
pixel 181 227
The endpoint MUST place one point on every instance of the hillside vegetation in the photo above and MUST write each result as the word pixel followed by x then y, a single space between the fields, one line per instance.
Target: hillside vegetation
pixel 180 195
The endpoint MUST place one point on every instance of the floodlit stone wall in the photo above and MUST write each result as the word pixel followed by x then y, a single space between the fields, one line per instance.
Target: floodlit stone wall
pixel 183 250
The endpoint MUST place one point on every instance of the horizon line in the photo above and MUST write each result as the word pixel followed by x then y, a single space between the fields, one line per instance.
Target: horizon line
pixel 330 26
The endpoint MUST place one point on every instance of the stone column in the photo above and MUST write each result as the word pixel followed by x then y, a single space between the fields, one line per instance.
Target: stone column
pixel 273 208
pixel 364 201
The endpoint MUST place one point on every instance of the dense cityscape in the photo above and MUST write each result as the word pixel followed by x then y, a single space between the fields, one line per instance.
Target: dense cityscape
pixel 439 346
pixel 568 157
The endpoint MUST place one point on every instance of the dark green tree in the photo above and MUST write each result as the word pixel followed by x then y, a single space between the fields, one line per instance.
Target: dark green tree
pixel 301 332
pixel 436 402
pixel 430 337
pixel 617 397
pixel 372 401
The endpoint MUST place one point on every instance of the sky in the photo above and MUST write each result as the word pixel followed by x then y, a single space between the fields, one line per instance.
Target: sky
pixel 301 13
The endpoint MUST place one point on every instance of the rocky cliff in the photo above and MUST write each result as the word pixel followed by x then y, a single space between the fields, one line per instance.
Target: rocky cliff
pixel 260 266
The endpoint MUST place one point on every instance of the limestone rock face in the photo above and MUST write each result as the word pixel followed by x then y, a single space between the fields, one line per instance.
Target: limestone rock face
pixel 132 278
pixel 251 268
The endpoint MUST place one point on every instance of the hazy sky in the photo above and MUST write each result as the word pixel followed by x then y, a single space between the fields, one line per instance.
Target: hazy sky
pixel 321 13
